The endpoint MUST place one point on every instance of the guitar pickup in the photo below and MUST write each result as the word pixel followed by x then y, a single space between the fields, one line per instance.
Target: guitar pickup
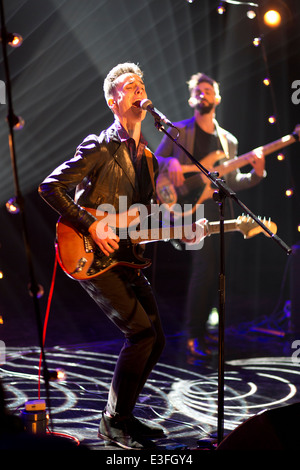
pixel 89 245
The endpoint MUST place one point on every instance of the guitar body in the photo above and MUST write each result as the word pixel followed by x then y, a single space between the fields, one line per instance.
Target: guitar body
pixel 81 259
pixel 196 187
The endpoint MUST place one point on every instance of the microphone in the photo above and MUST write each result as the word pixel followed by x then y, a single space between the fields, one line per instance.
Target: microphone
pixel 147 105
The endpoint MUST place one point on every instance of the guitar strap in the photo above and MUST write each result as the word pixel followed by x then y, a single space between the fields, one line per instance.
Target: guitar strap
pixel 149 158
pixel 223 139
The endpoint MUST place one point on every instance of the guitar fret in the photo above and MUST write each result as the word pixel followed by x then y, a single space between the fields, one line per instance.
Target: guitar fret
pixel 161 233
pixel 229 226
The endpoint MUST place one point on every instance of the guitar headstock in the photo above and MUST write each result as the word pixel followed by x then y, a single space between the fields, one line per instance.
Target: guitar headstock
pixel 250 227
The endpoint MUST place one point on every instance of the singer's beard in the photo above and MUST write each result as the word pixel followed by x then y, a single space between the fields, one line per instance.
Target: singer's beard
pixel 204 108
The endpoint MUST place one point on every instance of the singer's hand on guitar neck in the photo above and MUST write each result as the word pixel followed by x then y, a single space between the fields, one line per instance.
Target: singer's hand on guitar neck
pixel 196 233
pixel 175 172
pixel 104 237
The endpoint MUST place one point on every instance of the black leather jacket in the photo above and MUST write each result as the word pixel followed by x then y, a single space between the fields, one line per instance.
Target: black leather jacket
pixel 100 172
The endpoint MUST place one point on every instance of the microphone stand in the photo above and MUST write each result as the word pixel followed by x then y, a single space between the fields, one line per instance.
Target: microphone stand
pixel 222 192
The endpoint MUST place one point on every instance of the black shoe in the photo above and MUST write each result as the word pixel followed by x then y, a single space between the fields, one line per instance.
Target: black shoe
pixel 119 432
pixel 150 430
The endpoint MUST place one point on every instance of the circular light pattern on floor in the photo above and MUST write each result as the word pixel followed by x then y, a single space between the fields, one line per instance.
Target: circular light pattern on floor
pixel 184 401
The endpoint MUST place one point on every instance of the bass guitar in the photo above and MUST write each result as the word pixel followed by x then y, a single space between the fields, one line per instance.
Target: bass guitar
pixel 81 258
pixel 197 188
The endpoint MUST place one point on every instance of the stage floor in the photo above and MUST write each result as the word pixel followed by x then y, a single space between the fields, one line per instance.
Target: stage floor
pixel 262 372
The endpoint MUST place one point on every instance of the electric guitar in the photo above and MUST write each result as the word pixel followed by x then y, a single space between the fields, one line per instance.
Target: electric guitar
pixel 197 188
pixel 81 258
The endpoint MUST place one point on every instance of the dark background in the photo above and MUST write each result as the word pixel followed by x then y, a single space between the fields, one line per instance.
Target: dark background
pixel 57 76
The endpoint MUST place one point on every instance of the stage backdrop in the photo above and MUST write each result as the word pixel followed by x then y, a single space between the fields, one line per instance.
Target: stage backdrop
pixel 57 77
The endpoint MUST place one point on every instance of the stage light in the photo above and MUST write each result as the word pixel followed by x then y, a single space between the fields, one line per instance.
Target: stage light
pixel 213 319
pixel 289 192
pixel 275 12
pixel 251 14
pixel 1 275
pixel 17 122
pixel 266 81
pixel 57 375
pixel 272 119
pixel 256 42
pixel 12 206
pixel 272 18
pixel 280 157
pixel 12 39
pixel 20 123
pixel 221 9
pixel 61 374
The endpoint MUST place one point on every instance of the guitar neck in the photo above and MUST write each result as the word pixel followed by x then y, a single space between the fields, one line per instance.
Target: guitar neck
pixel 171 233
pixel 156 234
pixel 230 165
pixel 229 226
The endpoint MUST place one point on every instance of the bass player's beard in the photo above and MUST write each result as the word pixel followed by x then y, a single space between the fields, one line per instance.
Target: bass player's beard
pixel 204 108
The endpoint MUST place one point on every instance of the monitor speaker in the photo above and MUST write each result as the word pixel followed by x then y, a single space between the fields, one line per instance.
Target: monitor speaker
pixel 276 429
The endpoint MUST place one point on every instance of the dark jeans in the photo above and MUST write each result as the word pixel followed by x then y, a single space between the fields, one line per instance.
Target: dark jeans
pixel 126 297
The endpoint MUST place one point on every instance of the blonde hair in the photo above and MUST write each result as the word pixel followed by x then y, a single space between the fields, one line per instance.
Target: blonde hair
pixel 111 79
